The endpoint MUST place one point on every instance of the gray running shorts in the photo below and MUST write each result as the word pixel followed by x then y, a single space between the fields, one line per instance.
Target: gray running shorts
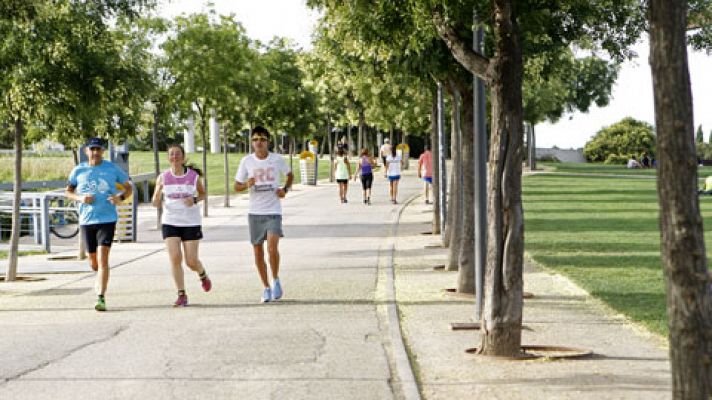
pixel 261 225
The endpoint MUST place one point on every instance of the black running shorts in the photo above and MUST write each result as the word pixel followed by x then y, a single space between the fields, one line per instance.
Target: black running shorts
pixel 185 233
pixel 96 235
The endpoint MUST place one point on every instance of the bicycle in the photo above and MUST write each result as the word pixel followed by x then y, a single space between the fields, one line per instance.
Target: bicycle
pixel 63 217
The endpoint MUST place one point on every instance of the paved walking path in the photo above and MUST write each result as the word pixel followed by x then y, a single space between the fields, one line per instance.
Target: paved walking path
pixel 627 363
pixel 335 335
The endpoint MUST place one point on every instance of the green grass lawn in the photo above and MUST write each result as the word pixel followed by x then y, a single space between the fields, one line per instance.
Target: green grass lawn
pixel 3 254
pixel 57 167
pixel 580 168
pixel 141 162
pixel 603 233
pixel 35 168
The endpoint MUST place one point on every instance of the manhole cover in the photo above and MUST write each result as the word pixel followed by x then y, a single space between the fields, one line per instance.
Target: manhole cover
pixel 62 257
pixel 544 352
pixel 465 326
pixel 475 326
pixel 24 279
pixel 455 293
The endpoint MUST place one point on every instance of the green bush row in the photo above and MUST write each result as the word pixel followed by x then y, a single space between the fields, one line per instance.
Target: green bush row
pixel 621 140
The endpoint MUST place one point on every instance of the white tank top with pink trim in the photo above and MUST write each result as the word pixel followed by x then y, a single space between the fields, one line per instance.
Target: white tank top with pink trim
pixel 175 190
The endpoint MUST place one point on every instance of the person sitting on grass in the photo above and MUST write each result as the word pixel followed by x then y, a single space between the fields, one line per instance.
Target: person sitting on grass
pixel 645 160
pixel 707 189
pixel 633 163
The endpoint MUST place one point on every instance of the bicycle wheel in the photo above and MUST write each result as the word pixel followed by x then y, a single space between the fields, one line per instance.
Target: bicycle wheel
pixel 63 218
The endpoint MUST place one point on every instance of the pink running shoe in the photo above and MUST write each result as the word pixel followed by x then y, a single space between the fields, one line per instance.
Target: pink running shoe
pixel 206 283
pixel 181 301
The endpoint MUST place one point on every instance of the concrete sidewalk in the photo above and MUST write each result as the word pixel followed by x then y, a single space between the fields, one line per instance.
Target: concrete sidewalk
pixel 335 335
pixel 327 338
pixel 628 362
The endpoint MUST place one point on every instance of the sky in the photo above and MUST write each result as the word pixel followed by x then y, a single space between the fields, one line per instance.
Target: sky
pixel 262 19
pixel 632 94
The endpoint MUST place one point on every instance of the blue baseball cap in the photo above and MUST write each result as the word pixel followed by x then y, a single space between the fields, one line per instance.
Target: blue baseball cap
pixel 95 142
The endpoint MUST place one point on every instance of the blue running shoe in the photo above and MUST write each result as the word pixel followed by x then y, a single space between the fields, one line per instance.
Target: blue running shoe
pixel 266 295
pixel 276 290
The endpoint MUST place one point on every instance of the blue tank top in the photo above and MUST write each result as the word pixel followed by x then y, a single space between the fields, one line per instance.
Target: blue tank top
pixel 365 166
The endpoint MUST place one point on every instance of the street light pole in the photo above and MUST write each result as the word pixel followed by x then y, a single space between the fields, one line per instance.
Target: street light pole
pixel 480 138
pixel 442 178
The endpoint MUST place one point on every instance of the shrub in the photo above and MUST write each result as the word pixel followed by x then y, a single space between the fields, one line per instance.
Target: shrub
pixel 616 159
pixel 626 137
pixel 549 158
pixel 704 151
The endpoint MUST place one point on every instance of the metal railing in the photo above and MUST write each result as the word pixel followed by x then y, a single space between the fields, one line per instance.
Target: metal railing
pixel 36 206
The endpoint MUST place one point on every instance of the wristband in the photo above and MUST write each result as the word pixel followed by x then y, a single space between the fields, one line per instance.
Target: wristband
pixel 286 189
pixel 195 199
pixel 121 196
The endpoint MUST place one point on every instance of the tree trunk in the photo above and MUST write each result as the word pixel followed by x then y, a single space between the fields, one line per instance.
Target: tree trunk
pixel 682 243
pixel 11 273
pixel 291 152
pixel 331 150
pixel 226 169
pixel 322 146
pixel 502 318
pixel 203 126
pixel 349 139
pixel 454 223
pixel 156 163
pixel 466 268
pixel 361 131
pixel 528 146
pixel 532 151
pixel 435 150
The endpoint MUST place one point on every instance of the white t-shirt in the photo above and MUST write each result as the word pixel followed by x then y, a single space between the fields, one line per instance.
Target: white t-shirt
pixel 394 165
pixel 385 150
pixel 267 174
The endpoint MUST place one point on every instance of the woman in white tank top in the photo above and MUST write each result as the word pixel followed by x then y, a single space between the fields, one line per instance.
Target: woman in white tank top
pixel 178 191
pixel 342 173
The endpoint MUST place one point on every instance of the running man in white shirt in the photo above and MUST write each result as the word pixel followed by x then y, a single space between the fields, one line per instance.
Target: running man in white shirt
pixel 260 172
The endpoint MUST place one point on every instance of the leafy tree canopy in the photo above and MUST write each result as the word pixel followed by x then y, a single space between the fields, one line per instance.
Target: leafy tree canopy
pixel 67 72
pixel 699 24
pixel 286 105
pixel 562 84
